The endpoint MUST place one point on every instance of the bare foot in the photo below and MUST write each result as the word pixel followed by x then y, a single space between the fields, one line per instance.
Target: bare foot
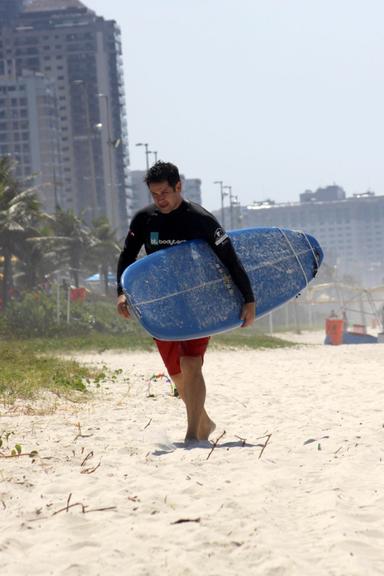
pixel 207 426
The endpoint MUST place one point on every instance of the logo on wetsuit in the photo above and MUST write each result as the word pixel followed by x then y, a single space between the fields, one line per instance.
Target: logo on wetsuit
pixel 220 236
pixel 155 240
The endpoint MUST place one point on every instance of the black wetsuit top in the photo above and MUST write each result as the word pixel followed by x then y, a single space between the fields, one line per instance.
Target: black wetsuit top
pixel 189 221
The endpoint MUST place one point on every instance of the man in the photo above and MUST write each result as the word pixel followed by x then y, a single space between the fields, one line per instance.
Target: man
pixel 171 220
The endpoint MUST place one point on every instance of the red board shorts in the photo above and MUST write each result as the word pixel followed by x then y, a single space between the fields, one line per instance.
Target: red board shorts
pixel 172 351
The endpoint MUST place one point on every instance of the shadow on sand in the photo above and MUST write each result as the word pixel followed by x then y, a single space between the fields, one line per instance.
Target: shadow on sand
pixel 205 445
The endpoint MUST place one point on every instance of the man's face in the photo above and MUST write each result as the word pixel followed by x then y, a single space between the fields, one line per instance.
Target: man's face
pixel 165 197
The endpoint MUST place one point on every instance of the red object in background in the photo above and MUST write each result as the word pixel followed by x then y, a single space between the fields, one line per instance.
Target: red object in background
pixel 78 294
pixel 334 328
pixel 359 329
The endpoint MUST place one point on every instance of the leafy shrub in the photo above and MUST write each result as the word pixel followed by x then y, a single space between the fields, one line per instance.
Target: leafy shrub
pixel 35 315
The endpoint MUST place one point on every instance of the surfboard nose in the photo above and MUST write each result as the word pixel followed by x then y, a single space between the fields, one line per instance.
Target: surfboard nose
pixel 317 250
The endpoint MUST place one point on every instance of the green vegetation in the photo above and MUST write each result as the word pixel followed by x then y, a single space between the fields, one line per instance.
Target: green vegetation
pixel 30 365
pixel 36 328
pixel 92 343
pixel 24 373
pixel 10 450
pixel 19 214
pixel 248 338
pixel 136 339
pixel 37 249
pixel 39 315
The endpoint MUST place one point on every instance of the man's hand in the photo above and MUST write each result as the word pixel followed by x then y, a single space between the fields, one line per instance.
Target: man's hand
pixel 122 308
pixel 248 314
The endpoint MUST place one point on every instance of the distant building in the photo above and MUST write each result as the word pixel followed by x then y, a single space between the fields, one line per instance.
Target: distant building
pixel 192 189
pixel 140 193
pixel 328 194
pixel 350 230
pixel 29 134
pixel 9 9
pixel 81 53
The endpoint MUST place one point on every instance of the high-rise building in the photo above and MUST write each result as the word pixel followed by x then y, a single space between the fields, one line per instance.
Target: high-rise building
pixel 9 9
pixel 29 134
pixel 81 54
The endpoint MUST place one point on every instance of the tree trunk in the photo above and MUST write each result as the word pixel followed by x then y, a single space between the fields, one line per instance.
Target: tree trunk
pixel 7 276
pixel 75 276
pixel 104 272
pixel 74 272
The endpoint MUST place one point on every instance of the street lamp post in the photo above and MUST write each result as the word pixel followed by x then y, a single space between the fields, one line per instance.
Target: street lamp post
pixel 147 153
pixel 154 152
pixel 84 95
pixel 231 204
pixel 237 205
pixel 222 196
pixel 110 143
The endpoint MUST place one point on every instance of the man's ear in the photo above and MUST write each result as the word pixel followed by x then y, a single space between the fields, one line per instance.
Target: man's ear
pixel 178 187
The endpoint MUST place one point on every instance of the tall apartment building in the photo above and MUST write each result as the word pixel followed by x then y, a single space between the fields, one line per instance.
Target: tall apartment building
pixel 350 230
pixel 29 133
pixel 9 9
pixel 81 54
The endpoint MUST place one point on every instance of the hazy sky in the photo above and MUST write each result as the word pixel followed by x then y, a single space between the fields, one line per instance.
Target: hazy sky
pixel 271 96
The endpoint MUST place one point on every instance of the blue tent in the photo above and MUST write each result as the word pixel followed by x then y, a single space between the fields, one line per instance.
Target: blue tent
pixel 96 278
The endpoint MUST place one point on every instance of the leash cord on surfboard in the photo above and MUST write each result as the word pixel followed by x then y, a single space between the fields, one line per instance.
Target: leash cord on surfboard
pixel 251 269
pixel 316 256
pixel 295 254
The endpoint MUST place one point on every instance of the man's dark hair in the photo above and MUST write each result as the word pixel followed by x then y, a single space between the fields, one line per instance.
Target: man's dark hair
pixel 163 172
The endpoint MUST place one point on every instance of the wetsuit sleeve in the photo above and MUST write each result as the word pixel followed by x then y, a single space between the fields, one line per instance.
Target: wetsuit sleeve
pixel 132 245
pixel 221 244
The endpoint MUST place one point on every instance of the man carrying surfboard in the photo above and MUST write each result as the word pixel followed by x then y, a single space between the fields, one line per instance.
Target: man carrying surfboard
pixel 169 221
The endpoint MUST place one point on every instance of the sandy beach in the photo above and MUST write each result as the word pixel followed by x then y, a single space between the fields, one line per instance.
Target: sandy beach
pixel 293 487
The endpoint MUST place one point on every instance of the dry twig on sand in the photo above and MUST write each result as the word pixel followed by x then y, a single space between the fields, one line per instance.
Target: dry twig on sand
pixel 80 434
pixel 268 437
pixel 83 507
pixel 243 440
pixel 216 443
pixel 88 456
pixel 185 520
pixel 91 470
pixel 149 423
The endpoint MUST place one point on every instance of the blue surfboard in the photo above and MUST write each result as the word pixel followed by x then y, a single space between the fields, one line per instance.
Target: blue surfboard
pixel 185 292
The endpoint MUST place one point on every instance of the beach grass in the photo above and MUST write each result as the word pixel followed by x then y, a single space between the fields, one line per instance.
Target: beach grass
pixel 137 340
pixel 31 365
pixel 250 339
pixel 24 373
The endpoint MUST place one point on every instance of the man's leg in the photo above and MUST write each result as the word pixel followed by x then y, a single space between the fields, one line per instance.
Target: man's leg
pixel 206 426
pixel 184 361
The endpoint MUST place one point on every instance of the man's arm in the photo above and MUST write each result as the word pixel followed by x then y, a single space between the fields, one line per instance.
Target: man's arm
pixel 128 255
pixel 223 247
pixel 226 252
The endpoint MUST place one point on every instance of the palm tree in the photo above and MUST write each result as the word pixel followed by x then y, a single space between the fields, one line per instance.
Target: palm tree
pixel 104 250
pixel 19 211
pixel 73 240
pixel 38 260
